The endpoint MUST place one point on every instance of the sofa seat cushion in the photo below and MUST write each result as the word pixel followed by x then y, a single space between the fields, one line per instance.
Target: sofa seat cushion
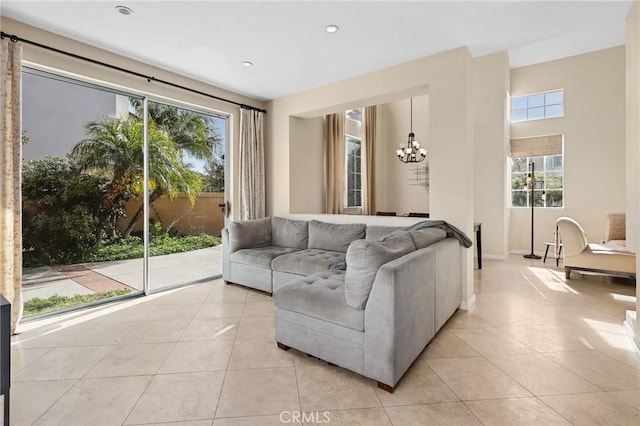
pixel 307 262
pixel 260 256
pixel 320 296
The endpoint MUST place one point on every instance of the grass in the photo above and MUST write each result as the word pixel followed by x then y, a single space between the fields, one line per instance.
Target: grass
pixel 132 247
pixel 37 305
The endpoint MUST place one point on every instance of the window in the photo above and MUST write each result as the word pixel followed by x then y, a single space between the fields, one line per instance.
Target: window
pixel 353 158
pixel 545 152
pixel 537 106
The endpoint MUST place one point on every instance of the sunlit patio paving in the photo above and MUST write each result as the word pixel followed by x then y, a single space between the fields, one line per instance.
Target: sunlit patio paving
pixel 164 271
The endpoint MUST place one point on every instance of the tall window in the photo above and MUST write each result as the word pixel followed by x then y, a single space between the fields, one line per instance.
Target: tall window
pixel 546 154
pixel 537 106
pixel 353 158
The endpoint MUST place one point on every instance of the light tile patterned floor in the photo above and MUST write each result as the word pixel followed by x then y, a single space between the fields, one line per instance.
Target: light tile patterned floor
pixel 535 350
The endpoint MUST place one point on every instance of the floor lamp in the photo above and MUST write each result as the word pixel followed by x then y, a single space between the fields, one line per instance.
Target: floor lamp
pixel 531 183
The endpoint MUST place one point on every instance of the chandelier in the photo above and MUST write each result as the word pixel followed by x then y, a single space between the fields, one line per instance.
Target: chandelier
pixel 412 153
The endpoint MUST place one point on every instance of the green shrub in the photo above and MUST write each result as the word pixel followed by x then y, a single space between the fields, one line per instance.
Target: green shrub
pixel 132 247
pixel 62 211
pixel 37 305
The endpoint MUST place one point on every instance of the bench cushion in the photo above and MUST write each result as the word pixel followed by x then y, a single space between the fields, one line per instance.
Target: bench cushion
pixel 306 262
pixel 249 234
pixel 365 257
pixel 289 233
pixel 261 256
pixel 333 236
pixel 320 296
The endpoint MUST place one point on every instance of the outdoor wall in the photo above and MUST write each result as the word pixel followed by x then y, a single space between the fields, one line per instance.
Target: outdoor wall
pixel 594 141
pixel 490 143
pixel 204 216
pixel 401 187
pixel 307 154
pixel 58 62
pixel 54 114
pixel 446 77
pixel 633 150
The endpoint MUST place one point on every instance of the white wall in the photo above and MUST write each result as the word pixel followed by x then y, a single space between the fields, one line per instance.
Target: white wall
pixel 491 139
pixel 448 78
pixel 398 188
pixel 594 141
pixel 633 148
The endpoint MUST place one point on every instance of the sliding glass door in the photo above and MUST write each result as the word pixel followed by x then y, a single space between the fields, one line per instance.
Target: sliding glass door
pixel 83 177
pixel 186 195
pixel 82 158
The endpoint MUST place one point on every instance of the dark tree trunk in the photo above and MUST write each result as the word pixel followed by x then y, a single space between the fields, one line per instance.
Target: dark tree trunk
pixel 155 194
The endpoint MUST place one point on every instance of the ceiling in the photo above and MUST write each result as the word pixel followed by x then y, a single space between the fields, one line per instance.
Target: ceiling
pixel 292 52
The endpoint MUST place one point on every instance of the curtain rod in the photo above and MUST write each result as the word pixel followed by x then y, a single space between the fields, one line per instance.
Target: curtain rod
pixel 15 39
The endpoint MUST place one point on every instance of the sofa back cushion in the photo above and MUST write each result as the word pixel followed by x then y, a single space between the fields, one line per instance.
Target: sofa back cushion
pixel 333 236
pixel 378 232
pixel 365 257
pixel 289 233
pixel 427 236
pixel 249 234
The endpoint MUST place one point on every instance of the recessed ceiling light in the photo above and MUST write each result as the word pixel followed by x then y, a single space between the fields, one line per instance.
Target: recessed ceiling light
pixel 124 10
pixel 332 28
pixel 247 64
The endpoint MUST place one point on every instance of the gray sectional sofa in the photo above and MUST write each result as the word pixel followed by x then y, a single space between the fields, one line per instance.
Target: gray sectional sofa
pixel 366 298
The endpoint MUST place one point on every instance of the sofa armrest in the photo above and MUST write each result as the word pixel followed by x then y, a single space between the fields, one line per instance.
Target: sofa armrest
pixel 399 315
pixel 226 260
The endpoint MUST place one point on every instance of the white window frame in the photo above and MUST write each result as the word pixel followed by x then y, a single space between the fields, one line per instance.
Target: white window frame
pixel 528 108
pixel 350 135
pixel 544 172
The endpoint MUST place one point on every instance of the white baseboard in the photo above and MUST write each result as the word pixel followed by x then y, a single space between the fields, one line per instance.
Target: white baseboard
pixel 630 328
pixel 494 257
pixel 539 253
pixel 467 305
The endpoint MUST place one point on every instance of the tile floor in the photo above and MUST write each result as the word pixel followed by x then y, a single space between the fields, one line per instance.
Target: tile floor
pixel 534 350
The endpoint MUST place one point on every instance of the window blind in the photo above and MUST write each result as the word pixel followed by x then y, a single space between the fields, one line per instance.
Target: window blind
pixel 536 146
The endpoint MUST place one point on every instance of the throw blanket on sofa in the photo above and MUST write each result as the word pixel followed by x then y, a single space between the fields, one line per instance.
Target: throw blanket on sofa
pixel 451 230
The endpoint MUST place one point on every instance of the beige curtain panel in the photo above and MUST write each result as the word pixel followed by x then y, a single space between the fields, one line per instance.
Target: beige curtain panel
pixel 536 146
pixel 252 180
pixel 334 163
pixel 369 163
pixel 10 196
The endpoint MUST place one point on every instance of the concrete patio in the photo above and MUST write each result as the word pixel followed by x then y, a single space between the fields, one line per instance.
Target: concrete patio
pixel 164 271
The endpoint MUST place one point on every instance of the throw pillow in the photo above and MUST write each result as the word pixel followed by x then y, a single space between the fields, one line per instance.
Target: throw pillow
pixel 249 234
pixel 333 236
pixel 365 257
pixel 289 233
pixel 427 236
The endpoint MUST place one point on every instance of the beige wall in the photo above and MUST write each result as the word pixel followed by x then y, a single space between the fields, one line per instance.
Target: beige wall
pixel 204 216
pixel 491 138
pixel 397 186
pixel 56 61
pixel 594 141
pixel 307 158
pixel 447 77
pixel 633 146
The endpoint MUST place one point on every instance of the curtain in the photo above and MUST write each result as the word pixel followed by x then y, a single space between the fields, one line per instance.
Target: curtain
pixel 10 192
pixel 252 180
pixel 368 161
pixel 334 163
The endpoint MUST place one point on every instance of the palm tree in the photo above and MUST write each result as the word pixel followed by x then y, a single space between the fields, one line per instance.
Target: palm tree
pixel 114 148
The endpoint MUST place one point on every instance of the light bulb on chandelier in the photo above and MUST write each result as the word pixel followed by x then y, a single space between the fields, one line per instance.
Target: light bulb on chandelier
pixel 412 153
